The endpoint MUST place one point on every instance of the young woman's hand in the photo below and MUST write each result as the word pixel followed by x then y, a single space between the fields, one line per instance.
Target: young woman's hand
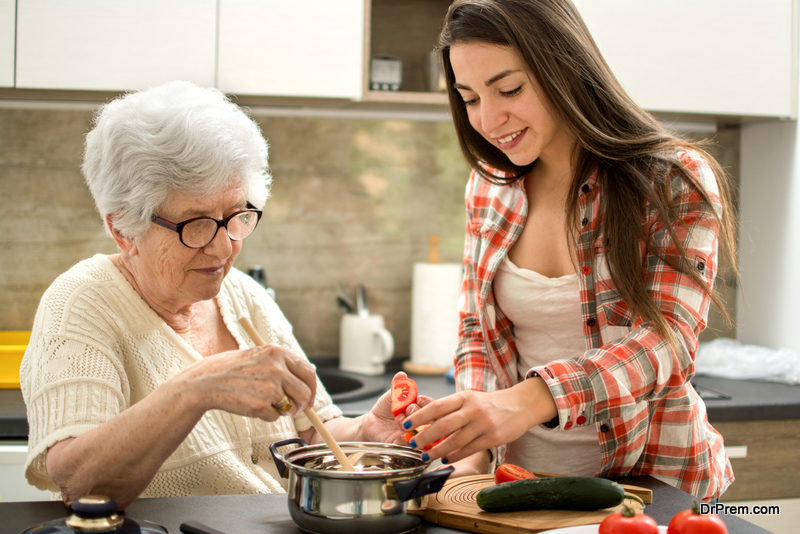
pixel 475 464
pixel 474 421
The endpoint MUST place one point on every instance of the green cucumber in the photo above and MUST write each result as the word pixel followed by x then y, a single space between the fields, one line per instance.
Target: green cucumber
pixel 551 493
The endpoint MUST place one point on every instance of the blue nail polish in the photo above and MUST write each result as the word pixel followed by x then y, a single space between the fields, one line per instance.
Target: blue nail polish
pixel 425 457
pixel 407 425
pixel 412 444
pixel 445 460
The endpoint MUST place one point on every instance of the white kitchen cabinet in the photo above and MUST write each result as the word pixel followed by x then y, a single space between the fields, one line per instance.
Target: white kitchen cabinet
pixel 411 42
pixel 13 485
pixel 113 46
pixel 711 57
pixel 721 57
pixel 7 23
pixel 769 251
pixel 304 48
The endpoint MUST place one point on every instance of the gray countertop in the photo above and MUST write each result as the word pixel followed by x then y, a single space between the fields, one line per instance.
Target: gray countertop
pixel 257 514
pixel 726 400
pixel 748 400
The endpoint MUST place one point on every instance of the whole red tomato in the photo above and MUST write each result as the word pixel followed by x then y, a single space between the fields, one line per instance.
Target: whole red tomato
pixel 693 522
pixel 628 522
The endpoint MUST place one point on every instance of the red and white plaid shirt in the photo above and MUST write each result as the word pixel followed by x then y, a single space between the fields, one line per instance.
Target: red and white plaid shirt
pixel 628 383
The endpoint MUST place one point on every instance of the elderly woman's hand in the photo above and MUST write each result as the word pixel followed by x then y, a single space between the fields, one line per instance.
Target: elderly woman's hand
pixel 380 425
pixel 252 382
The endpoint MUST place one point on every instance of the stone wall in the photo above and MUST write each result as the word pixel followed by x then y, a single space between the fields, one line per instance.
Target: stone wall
pixel 354 201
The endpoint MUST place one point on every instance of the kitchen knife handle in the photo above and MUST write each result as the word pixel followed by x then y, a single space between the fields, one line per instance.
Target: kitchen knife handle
pixel 361 301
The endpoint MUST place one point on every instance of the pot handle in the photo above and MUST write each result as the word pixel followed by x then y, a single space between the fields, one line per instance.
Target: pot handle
pixel 428 482
pixel 280 463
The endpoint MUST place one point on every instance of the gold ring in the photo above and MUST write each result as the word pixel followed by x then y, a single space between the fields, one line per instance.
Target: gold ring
pixel 284 405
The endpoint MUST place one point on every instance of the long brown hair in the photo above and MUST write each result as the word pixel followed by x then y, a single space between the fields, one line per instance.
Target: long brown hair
pixel 629 150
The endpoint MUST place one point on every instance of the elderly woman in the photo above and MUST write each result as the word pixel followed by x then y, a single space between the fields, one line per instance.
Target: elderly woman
pixel 139 378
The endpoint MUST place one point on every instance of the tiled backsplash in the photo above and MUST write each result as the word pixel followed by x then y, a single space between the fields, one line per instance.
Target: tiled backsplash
pixel 353 201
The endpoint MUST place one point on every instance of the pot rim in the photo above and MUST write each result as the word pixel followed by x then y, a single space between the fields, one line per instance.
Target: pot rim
pixel 350 447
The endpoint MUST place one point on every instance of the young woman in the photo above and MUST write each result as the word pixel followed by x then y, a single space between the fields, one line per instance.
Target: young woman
pixel 591 251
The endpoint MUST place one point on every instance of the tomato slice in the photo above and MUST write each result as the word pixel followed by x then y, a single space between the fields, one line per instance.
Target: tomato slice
pixel 509 472
pixel 411 433
pixel 404 394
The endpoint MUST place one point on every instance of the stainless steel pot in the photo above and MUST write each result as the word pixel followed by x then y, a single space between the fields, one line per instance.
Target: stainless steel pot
pixel 325 500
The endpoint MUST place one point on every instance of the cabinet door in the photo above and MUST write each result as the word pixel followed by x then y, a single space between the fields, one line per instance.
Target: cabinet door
pixel 7 20
pixel 13 485
pixel 704 56
pixel 119 45
pixel 307 48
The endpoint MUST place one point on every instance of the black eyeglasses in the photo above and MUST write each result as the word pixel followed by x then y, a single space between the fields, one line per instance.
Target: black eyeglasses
pixel 200 231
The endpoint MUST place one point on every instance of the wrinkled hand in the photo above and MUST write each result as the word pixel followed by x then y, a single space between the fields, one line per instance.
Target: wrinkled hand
pixel 251 382
pixel 474 421
pixel 380 425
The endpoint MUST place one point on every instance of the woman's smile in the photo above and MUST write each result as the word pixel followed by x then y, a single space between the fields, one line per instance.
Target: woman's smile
pixel 508 142
pixel 210 271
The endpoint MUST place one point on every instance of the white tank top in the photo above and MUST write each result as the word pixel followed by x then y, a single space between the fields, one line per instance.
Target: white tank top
pixel 546 315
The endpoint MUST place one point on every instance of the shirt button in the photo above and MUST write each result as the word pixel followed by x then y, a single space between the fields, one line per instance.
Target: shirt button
pixel 591 321
pixel 585 188
pixel 701 266
pixel 586 269
pixel 580 420
pixel 604 428
pixel 584 221
pixel 568 424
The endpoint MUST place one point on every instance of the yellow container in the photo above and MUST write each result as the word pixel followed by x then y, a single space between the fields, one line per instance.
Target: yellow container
pixel 12 347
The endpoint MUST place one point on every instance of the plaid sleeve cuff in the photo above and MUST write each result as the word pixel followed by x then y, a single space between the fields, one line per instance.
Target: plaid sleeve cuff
pixel 552 423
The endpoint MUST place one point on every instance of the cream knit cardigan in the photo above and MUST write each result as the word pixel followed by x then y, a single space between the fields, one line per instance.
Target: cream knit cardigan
pixel 97 348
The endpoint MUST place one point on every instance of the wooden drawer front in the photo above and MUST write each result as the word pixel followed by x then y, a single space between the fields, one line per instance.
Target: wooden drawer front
pixel 770 469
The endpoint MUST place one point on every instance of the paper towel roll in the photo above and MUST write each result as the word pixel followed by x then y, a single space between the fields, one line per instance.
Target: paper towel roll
pixel 434 313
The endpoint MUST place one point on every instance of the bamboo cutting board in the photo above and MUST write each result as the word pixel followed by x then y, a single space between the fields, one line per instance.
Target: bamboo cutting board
pixel 455 506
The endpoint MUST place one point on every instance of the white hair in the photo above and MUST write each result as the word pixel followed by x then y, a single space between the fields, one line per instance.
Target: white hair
pixel 174 137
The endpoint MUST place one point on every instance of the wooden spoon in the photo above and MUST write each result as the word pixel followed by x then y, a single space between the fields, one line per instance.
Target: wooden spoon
pixel 347 465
